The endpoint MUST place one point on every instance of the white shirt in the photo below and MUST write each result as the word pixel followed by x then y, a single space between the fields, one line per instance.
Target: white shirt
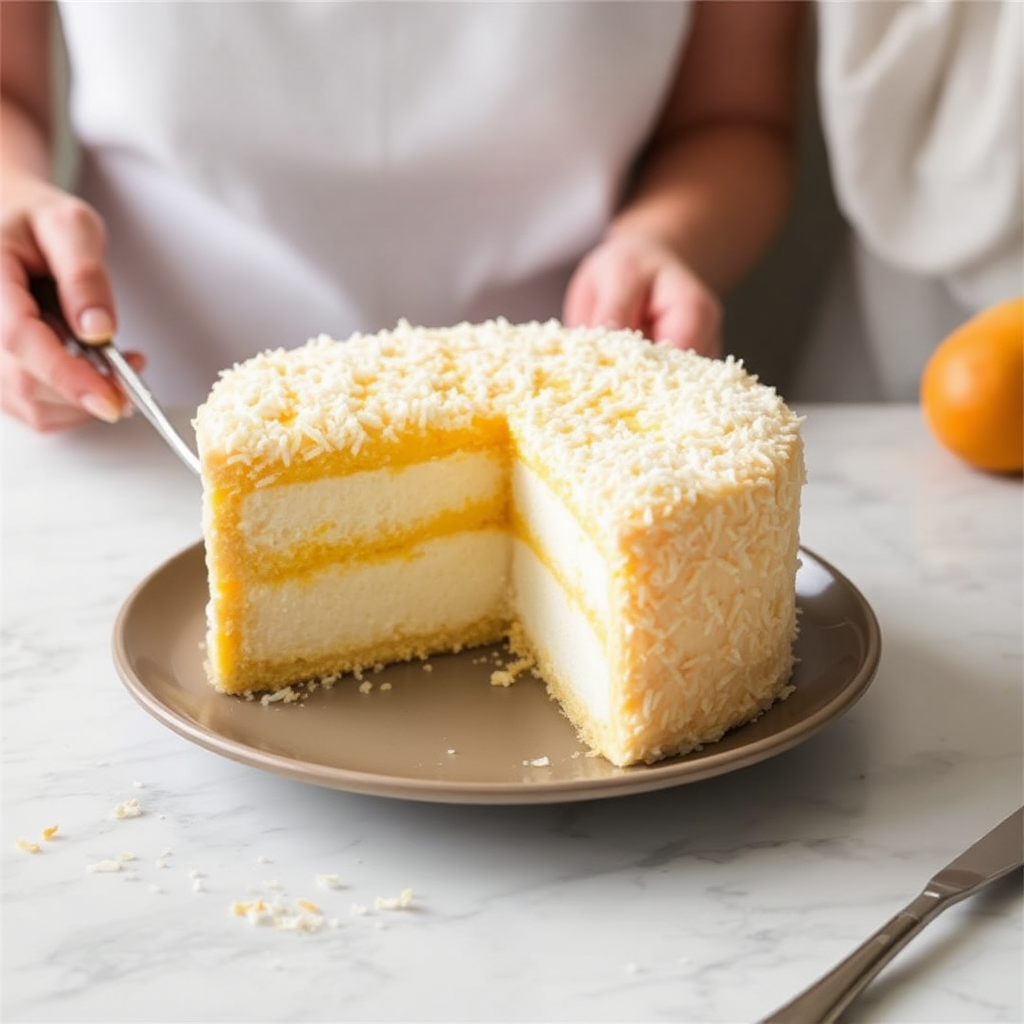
pixel 270 171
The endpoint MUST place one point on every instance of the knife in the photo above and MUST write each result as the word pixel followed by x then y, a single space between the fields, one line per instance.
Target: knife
pixel 111 363
pixel 990 858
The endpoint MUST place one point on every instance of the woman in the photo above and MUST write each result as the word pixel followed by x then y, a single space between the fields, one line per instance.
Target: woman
pixel 253 174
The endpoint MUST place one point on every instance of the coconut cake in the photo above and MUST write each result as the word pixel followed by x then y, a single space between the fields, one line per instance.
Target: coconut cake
pixel 629 512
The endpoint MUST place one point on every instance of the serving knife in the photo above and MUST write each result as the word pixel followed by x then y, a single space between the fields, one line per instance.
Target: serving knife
pixel 111 363
pixel 994 855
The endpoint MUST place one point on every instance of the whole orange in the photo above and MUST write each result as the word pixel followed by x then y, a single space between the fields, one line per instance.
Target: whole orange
pixel 972 389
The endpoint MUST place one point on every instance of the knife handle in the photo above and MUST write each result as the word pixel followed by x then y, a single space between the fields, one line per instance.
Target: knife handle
pixel 826 999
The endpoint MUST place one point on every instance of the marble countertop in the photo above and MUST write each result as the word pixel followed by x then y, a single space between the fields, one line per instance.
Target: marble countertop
pixel 714 901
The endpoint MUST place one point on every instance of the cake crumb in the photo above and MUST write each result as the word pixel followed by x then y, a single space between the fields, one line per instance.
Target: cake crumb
pixel 105 867
pixel 512 671
pixel 328 881
pixel 538 762
pixel 197 885
pixel 130 808
pixel 287 695
pixel 385 686
pixel 452 750
pixel 427 667
pixel 366 686
pixel 49 832
pixel 400 902
pixel 308 905
pixel 27 846
pixel 278 915
pixel 254 911
pixel 359 910
pixel 125 857
pixel 263 859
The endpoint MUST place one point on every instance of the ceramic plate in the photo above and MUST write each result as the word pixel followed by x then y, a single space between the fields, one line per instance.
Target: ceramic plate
pixel 440 731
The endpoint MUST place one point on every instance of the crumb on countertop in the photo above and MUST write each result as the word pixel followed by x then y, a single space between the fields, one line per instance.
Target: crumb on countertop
pixel 400 902
pixel 279 915
pixel 105 867
pixel 130 808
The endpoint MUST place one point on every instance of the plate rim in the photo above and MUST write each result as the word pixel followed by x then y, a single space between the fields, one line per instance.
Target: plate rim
pixel 632 780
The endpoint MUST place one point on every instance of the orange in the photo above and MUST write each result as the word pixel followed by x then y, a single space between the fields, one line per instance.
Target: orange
pixel 972 389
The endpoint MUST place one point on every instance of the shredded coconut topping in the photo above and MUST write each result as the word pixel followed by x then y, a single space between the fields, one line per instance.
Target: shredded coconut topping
pixel 636 427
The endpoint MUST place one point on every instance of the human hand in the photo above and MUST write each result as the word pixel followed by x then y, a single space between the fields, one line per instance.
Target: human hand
pixel 45 231
pixel 641 284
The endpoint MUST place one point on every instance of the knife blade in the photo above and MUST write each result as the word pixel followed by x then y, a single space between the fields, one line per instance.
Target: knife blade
pixel 995 855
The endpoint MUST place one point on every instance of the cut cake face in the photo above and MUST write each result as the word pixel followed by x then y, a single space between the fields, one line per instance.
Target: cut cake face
pixel 629 511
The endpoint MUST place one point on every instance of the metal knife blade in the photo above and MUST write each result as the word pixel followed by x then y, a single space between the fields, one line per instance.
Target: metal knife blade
pixel 996 854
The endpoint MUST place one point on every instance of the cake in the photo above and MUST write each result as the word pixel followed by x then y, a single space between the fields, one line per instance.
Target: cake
pixel 626 512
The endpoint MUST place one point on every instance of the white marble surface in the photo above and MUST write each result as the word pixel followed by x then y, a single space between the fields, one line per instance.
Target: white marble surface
pixel 712 902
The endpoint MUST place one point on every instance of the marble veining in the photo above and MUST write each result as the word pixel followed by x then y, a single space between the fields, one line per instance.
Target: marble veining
pixel 711 902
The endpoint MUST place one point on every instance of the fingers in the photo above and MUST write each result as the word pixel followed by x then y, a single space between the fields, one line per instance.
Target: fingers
pixel 38 368
pixel 606 291
pixel 72 239
pixel 48 232
pixel 24 398
pixel 684 313
pixel 641 285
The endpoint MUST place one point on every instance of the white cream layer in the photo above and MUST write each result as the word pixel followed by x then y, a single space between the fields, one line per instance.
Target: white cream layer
pixel 361 506
pixel 564 542
pixel 442 585
pixel 561 633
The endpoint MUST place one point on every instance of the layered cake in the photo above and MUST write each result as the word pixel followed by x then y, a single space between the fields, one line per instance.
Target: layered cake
pixel 628 512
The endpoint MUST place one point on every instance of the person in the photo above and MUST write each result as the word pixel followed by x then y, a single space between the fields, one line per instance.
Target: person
pixel 255 174
pixel 921 112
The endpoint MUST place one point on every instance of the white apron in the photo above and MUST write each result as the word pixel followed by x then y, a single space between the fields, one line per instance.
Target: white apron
pixel 270 171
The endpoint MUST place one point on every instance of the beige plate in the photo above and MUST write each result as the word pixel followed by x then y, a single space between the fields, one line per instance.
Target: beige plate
pixel 447 734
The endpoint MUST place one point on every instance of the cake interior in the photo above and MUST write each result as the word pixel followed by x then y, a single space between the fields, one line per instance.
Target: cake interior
pixel 393 563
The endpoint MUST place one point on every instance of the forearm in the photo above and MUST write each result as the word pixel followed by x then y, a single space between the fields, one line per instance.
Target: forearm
pixel 715 194
pixel 25 92
pixel 24 144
